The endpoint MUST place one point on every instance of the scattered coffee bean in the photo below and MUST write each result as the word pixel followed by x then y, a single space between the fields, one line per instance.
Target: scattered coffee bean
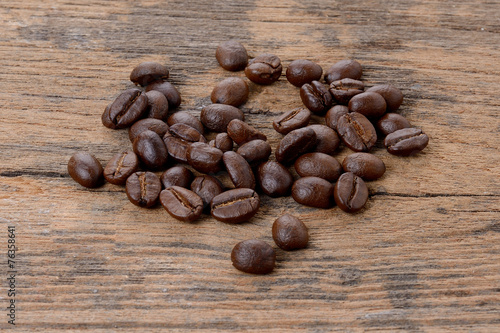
pixel 176 147
pixel 356 131
pixel 169 90
pixel 231 55
pixel 274 179
pixel 177 176
pixel 143 188
pixel 120 167
pixel 345 89
pixel 127 108
pixel 151 149
pixel 215 117
pixel 318 165
pixel 232 91
pixel 186 132
pixel 350 192
pixel 253 256
pixel 239 170
pixel 406 141
pixel 292 120
pixel 364 165
pixel 242 133
pixel 290 233
pixel 333 115
pixel 313 191
pixel 235 206
pixel 223 142
pixel 155 125
pixel 327 140
pixel 369 104
pixel 204 158
pixel 264 69
pixel 302 71
pixel 186 118
pixel 157 105
pixel 148 72
pixel 391 122
pixel 294 144
pixel 207 187
pixel 316 97
pixel 255 152
pixel 181 203
pixel 344 69
pixel 392 95
pixel 86 170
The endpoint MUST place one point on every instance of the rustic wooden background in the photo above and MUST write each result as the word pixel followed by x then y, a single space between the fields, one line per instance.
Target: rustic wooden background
pixel 423 256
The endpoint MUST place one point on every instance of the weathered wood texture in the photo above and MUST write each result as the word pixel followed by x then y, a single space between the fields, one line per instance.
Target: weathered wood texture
pixel 423 256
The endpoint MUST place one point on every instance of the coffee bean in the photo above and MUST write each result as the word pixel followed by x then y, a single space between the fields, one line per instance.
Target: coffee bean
pixel 241 132
pixel 253 256
pixel 264 69
pixel 143 188
pixel 318 165
pixel 204 158
pixel 255 152
pixel 127 108
pixel 313 192
pixel 177 176
pixel 303 71
pixel 294 144
pixel 106 120
pixel 169 90
pixel 176 147
pixel 215 117
pixel 327 140
pixel 239 170
pixel 232 91
pixel 274 179
pixel 333 115
pixel 350 193
pixel 185 118
pixel 85 169
pixel 392 95
pixel 155 125
pixel 148 72
pixel 391 122
pixel 120 167
pixel 343 90
pixel 344 69
pixel 186 132
pixel 406 141
pixel 151 149
pixel 290 233
pixel 291 120
pixel 369 104
pixel 356 132
pixel 207 187
pixel 316 97
pixel 235 206
pixel 223 142
pixel 364 165
pixel 231 55
pixel 157 105
pixel 181 203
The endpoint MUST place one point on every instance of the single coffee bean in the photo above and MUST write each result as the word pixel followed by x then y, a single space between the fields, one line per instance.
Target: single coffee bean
pixel 364 165
pixel 344 69
pixel 239 170
pixel 120 167
pixel 143 188
pixel 392 95
pixel 242 133
pixel 169 90
pixel 313 191
pixel 292 120
pixel 333 115
pixel 235 206
pixel 369 104
pixel 127 108
pixel 204 158
pixel 406 141
pixel 316 97
pixel 391 122
pixel 181 203
pixel 223 142
pixel 176 147
pixel 274 179
pixel 231 55
pixel 343 90
pixel 253 256
pixel 264 69
pixel 186 133
pixel 155 125
pixel 290 233
pixel 86 170
pixel 318 165
pixel 185 118
pixel 356 131
pixel 302 71
pixel 294 144
pixel 350 193
pixel 207 187
pixel 327 140
pixel 151 149
pixel 255 152
pixel 215 117
pixel 177 176
pixel 157 105
pixel 148 72
pixel 232 91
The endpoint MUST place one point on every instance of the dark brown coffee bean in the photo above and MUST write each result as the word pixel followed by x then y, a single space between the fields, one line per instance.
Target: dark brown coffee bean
pixel 186 118
pixel 120 167
pixel 333 115
pixel 155 125
pixel 235 206
pixel 302 71
pixel 86 170
pixel 369 104
pixel 143 188
pixel 204 158
pixel 316 97
pixel 181 203
pixel 364 165
pixel 157 105
pixel 242 133
pixel 392 95
pixel 290 233
pixel 406 141
pixel 207 187
pixel 313 192
pixel 127 108
pixel 350 193
pixel 239 170
pixel 264 69
pixel 186 132
pixel 176 147
pixel 232 91
pixel 255 152
pixel 344 69
pixel 357 132
pixel 231 55
pixel 274 179
pixel 151 150
pixel 106 120
pixel 253 256
pixel 318 165
pixel 294 144
pixel 177 176
pixel 343 90
pixel 292 120
pixel 215 117
pixel 148 72
pixel 223 142
pixel 327 140
pixel 169 90
pixel 391 122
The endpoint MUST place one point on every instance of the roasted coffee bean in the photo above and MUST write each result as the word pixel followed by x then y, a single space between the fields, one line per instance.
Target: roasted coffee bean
pixel 85 169
pixel 186 132
pixel 151 149
pixel 242 133
pixel 294 144
pixel 232 91
pixel 255 152
pixel 169 90
pixel 231 55
pixel 239 170
pixel 181 203
pixel 127 108
pixel 406 141
pixel 106 120
pixel 155 125
pixel 223 142
pixel 215 117
pixel 343 90
pixel 235 206
pixel 274 179
pixel 207 187
pixel 318 165
pixel 313 191
pixel 148 72
pixel 264 69
pixel 364 165
pixel 316 97
pixel 120 167
pixel 344 69
pixel 204 158
pixel 391 122
pixel 185 118
pixel 302 71
pixel 253 256
pixel 327 140
pixel 369 104
pixel 177 176
pixel 356 131
pixel 392 95
pixel 290 233
pixel 176 147
pixel 333 115
pixel 157 105
pixel 350 193
pixel 143 188
pixel 292 120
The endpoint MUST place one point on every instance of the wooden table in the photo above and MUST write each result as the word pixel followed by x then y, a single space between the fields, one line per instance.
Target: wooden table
pixel 423 256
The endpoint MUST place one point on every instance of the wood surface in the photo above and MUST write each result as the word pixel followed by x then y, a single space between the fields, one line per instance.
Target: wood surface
pixel 423 256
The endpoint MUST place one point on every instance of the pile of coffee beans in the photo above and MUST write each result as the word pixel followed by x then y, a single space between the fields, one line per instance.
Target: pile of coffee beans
pixel 353 116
